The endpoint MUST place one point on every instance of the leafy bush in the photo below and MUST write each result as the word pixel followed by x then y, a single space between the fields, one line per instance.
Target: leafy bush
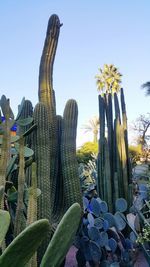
pixel 135 153
pixel 84 153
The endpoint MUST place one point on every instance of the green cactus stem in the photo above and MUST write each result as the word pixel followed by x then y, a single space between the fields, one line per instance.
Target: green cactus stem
pixel 47 94
pixel 5 147
pixel 125 127
pixel 107 178
pixel 63 237
pixel 4 224
pixel 46 65
pixel 32 208
pixel 101 146
pixel 42 158
pixel 32 203
pixel 72 191
pixel 20 219
pixel 58 208
pixel 22 248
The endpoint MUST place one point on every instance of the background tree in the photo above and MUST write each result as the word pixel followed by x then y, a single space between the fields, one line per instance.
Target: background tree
pixel 92 126
pixel 141 126
pixel 109 79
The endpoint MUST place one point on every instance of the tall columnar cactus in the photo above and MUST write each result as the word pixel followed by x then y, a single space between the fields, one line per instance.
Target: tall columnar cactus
pixel 47 94
pixel 101 152
pixel 32 203
pixel 20 221
pixel 5 147
pixel 26 114
pixel 109 118
pixel 58 207
pixel 125 128
pixel 27 111
pixel 32 208
pixel 72 192
pixel 42 159
pixel 113 154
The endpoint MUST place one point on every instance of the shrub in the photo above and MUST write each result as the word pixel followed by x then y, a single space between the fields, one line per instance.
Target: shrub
pixel 84 153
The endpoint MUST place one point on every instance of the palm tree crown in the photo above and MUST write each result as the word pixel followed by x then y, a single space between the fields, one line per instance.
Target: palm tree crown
pixel 92 126
pixel 109 79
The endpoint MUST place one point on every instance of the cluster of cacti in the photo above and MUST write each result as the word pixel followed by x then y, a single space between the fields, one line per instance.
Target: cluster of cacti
pixel 45 184
pixel 114 173
pixel 12 171
pixel 53 139
pixel 104 238
pixel 23 247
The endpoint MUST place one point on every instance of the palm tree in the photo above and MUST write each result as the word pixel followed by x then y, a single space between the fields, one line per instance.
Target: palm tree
pixel 109 79
pixel 92 126
pixel 147 87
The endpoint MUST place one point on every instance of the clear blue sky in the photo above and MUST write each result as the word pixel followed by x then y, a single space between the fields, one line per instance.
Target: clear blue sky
pixel 93 33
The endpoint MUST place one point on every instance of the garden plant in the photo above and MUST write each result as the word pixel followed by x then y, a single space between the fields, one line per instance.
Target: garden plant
pixel 48 201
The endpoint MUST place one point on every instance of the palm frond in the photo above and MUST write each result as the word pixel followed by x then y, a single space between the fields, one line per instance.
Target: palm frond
pixel 147 87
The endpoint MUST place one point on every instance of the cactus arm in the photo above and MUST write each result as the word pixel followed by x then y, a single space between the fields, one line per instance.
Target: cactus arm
pixel 63 237
pixel 4 224
pixel 47 61
pixel 19 219
pixel 32 204
pixel 42 159
pixel 21 249
pixel 5 151
pixel 32 208
pixel 72 191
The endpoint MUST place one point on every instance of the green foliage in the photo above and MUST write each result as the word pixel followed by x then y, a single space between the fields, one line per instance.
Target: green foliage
pixel 135 153
pixel 84 153
pixel 145 235
pixel 109 79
